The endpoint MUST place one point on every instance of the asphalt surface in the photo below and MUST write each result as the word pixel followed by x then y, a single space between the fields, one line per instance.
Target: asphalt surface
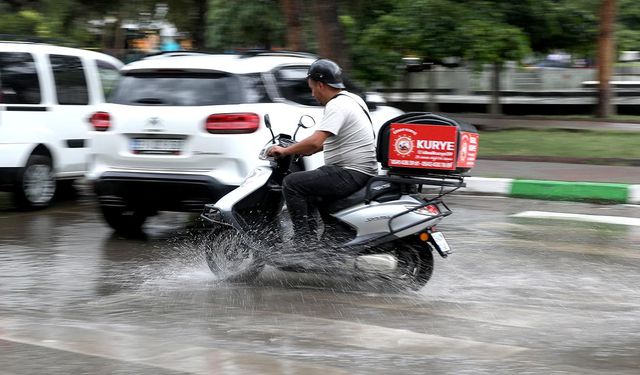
pixel 520 295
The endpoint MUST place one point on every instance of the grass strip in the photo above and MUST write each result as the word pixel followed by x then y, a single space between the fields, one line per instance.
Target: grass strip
pixel 573 191
pixel 560 143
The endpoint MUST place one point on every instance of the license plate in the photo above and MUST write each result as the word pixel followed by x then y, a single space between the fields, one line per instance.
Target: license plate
pixel 442 243
pixel 156 146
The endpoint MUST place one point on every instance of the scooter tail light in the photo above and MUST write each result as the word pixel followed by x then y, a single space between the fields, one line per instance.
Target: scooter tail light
pixel 433 209
pixel 101 121
pixel 429 210
pixel 232 123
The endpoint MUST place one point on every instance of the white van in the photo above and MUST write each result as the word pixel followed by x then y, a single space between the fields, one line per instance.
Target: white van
pixel 183 129
pixel 47 94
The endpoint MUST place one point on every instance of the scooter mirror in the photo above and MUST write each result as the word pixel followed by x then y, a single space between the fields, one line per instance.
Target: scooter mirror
pixel 306 122
pixel 267 121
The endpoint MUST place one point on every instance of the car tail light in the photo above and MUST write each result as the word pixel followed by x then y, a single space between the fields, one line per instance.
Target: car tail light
pixel 232 123
pixel 101 121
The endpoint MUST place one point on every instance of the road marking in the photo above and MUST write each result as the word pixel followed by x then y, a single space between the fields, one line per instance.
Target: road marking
pixel 634 194
pixel 488 185
pixel 620 220
pixel 148 350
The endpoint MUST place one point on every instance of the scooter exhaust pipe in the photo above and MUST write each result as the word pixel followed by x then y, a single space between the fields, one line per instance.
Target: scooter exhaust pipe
pixel 377 263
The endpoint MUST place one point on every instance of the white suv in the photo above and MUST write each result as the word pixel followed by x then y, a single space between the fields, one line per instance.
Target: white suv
pixel 47 93
pixel 183 129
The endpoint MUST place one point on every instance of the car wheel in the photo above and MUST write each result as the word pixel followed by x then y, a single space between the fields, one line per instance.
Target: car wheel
pixel 123 220
pixel 36 184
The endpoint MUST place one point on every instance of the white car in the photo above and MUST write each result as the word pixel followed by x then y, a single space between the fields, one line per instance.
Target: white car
pixel 183 129
pixel 47 93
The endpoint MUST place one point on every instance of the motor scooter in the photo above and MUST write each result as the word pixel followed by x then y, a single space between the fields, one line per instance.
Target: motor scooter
pixel 385 230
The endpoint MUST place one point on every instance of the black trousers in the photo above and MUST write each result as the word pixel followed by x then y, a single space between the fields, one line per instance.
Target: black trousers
pixel 329 182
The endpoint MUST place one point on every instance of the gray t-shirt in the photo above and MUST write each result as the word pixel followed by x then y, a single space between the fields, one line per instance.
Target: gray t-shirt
pixel 352 143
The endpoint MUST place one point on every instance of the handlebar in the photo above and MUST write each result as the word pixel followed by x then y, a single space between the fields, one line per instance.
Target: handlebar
pixel 282 140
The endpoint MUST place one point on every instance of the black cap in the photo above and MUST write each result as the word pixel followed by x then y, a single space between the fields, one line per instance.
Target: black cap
pixel 326 71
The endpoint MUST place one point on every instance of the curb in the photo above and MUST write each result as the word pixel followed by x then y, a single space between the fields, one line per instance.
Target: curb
pixel 554 190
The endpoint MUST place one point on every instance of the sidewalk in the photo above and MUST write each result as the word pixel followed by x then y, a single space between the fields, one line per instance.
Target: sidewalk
pixel 555 180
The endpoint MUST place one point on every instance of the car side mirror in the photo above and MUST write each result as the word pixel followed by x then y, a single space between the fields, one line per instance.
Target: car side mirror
pixel 373 100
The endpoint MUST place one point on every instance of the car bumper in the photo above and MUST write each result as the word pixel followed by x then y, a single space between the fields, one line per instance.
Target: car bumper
pixel 158 192
pixel 8 178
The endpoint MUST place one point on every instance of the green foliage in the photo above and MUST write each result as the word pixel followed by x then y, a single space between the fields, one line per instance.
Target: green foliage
pixel 376 51
pixel 569 25
pixel 378 32
pixel 627 35
pixel 427 29
pixel 24 22
pixel 433 27
pixel 489 41
pixel 58 21
pixel 245 24
pixel 627 39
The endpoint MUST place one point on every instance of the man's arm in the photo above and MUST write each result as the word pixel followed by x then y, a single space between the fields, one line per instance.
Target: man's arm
pixel 307 146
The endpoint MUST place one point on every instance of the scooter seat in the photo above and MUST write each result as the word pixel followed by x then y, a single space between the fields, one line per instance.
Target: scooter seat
pixel 381 191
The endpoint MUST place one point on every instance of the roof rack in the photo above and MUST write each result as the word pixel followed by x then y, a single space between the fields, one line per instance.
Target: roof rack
pixel 266 52
pixel 176 53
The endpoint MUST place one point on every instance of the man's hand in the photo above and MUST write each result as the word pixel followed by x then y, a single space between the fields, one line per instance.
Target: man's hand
pixel 307 146
pixel 276 151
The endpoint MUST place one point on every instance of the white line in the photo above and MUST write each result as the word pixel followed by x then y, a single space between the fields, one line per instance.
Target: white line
pixel 580 217
pixel 634 194
pixel 488 185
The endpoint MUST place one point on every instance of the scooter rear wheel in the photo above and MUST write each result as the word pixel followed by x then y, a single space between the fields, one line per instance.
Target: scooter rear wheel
pixel 415 265
pixel 230 256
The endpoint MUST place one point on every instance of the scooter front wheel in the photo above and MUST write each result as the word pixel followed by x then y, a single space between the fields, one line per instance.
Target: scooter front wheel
pixel 230 256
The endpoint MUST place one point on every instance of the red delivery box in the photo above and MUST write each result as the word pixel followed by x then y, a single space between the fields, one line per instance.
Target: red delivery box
pixel 425 143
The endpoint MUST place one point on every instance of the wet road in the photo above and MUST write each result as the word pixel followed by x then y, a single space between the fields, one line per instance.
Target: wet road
pixel 520 295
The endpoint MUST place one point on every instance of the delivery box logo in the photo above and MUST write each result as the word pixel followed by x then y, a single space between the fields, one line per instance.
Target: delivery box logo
pixel 431 147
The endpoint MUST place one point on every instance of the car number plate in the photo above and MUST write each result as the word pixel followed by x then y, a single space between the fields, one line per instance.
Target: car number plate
pixel 156 146
pixel 442 243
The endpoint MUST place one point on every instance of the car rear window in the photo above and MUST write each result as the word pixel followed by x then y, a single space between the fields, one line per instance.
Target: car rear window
pixel 187 89
pixel 292 83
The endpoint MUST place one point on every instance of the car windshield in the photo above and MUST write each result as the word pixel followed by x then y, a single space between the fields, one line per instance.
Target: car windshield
pixel 187 89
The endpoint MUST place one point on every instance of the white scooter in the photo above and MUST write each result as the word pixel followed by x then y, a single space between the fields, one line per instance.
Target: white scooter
pixel 385 230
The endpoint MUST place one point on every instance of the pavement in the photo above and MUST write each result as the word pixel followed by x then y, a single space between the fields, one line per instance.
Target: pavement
pixel 551 179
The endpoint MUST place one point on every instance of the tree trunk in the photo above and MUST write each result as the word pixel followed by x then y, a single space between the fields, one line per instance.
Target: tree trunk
pixel 200 24
pixel 606 53
pixel 495 108
pixel 119 37
pixel 291 10
pixel 330 33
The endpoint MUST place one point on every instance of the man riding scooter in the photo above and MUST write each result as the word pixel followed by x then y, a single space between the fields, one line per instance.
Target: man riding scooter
pixel 347 138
